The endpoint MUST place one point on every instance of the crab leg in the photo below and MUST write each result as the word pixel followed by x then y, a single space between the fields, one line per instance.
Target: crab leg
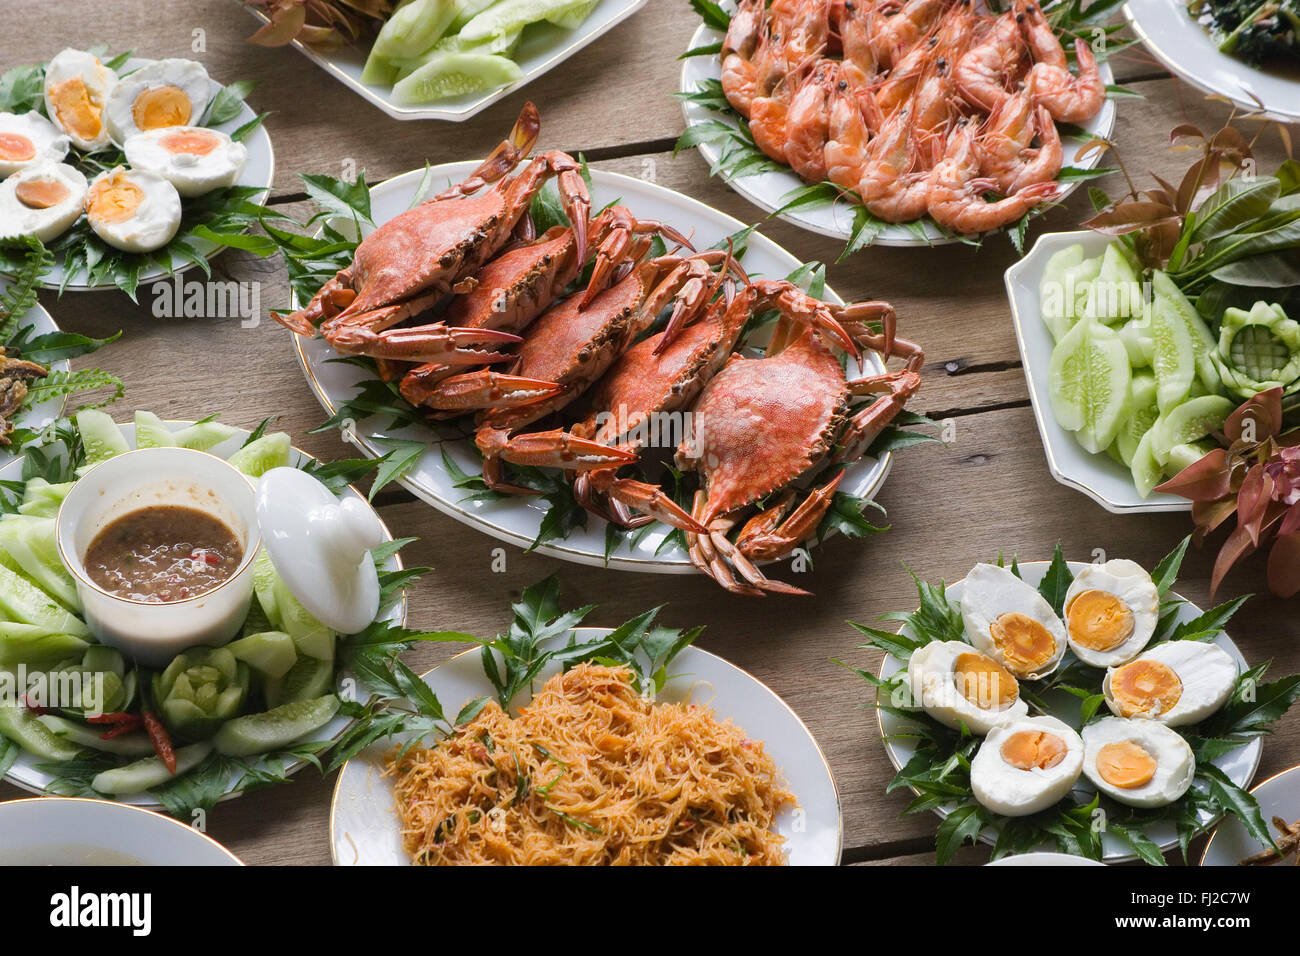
pixel 507 155
pixel 715 555
pixel 865 425
pixel 616 229
pixel 797 309
pixel 640 496
pixel 486 389
pixel 332 298
pixel 430 343
pixel 562 449
pixel 573 192
pixel 794 530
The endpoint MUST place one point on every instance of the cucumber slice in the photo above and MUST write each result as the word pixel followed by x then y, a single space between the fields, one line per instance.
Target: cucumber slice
pixel 449 75
pixel 1143 413
pixel 1203 343
pixel 150 772
pixel 1078 288
pixel 32 645
pixel 1138 341
pixel 203 436
pixel 1174 360
pixel 467 10
pixel 151 431
pixel 276 728
pixel 25 603
pixel 100 436
pixel 1190 421
pixel 1184 456
pixel 572 18
pixel 1116 293
pixel 1055 307
pixel 100 657
pixel 21 726
pixel 264 578
pixel 503 44
pixel 1146 470
pixel 306 680
pixel 31 543
pixel 310 636
pixel 510 15
pixel 135 744
pixel 258 457
pixel 271 653
pixel 1088 383
pixel 412 29
pixel 42 499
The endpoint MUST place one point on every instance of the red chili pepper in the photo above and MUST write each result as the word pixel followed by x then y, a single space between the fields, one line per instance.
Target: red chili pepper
pixel 162 741
pixel 36 709
pixel 126 727
pixel 115 717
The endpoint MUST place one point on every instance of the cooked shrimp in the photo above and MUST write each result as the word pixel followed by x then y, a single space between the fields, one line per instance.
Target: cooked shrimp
pixel 855 25
pixel 1069 98
pixel 984 71
pixel 741 74
pixel 849 129
pixel 956 193
pixel 1007 155
pixel 808 120
pixel 896 90
pixel 895 36
pixel 895 179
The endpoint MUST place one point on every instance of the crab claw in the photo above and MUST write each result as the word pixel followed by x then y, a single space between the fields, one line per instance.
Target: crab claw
pixel 488 389
pixel 562 449
pixel 651 500
pixel 429 343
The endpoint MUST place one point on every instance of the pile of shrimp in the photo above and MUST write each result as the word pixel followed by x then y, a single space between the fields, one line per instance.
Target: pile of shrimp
pixel 918 106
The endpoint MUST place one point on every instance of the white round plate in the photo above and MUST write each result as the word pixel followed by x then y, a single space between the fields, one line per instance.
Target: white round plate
pixel 1188 50
pixel 258 172
pixel 518 519
pixel 39 416
pixel 1239 764
pixel 768 190
pixel 364 830
pixel 25 774
pixel 1099 476
pixel 1044 859
pixel 1278 796
pixel 73 831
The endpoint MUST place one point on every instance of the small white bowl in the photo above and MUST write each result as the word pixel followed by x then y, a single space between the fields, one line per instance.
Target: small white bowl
pixel 1099 476
pixel 73 831
pixel 155 633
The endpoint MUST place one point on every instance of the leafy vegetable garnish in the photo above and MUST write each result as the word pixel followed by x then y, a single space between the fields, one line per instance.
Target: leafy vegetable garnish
pixel 939 769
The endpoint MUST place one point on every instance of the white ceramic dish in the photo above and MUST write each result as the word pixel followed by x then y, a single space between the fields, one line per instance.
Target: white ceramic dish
pixel 1099 476
pixel 259 172
pixel 364 830
pixel 72 831
pixel 25 774
pixel 1277 796
pixel 1188 50
pixel 543 47
pixel 1239 764
pixel 518 519
pixel 75 831
pixel 41 415
pixel 1044 859
pixel 767 190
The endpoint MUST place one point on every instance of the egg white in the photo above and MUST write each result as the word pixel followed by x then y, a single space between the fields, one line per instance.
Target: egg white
pixel 17 219
pixel 186 75
pixel 1130 582
pixel 1013 792
pixel 155 220
pixel 49 143
pixel 99 81
pixel 1175 764
pixel 1208 674
pixel 191 174
pixel 989 592
pixel 931 677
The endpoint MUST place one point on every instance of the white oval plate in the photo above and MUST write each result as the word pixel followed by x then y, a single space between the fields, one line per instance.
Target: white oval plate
pixel 39 416
pixel 544 46
pixel 1044 859
pixel 1240 764
pixel 518 519
pixel 364 830
pixel 1187 49
pixel 24 772
pixel 74 831
pixel 766 190
pixel 1100 477
pixel 258 172
pixel 1277 796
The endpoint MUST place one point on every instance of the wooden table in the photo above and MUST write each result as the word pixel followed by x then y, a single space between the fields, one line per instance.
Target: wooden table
pixel 988 491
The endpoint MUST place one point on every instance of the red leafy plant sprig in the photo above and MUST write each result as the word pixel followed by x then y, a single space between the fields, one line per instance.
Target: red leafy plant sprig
pixel 1257 479
pixel 324 24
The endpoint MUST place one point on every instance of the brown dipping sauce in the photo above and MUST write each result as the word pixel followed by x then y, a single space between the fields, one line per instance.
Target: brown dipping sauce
pixel 162 554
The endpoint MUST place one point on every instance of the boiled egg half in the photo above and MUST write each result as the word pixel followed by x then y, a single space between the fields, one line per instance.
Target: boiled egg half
pixel 1175 683
pixel 1011 622
pixel 958 686
pixel 77 88
pixel 1025 765
pixel 29 139
pixel 1140 763
pixel 133 209
pixel 171 92
pixel 42 201
pixel 194 159
pixel 1111 611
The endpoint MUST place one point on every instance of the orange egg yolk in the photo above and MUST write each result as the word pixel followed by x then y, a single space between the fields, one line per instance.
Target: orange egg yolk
pixel 74 108
pixel 197 142
pixel 984 682
pixel 1027 749
pixel 1099 620
pixel 1025 644
pixel 113 199
pixel 16 148
pixel 1125 765
pixel 1145 687
pixel 41 193
pixel 161 106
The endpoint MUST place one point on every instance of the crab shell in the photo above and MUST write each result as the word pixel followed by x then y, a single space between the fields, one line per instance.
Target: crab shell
pixel 517 286
pixel 763 422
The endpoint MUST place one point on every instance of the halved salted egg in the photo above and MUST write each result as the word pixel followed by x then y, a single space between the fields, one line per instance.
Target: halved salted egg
pixel 42 201
pixel 29 139
pixel 958 686
pixel 171 92
pixel 1011 622
pixel 1175 683
pixel 1141 763
pixel 1111 611
pixel 194 159
pixel 133 209
pixel 1025 765
pixel 77 88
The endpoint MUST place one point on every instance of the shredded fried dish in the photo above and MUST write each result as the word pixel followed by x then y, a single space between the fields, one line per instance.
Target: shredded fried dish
pixel 591 773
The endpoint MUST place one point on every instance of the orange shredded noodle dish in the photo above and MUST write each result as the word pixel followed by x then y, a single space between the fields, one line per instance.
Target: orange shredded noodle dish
pixel 591 773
